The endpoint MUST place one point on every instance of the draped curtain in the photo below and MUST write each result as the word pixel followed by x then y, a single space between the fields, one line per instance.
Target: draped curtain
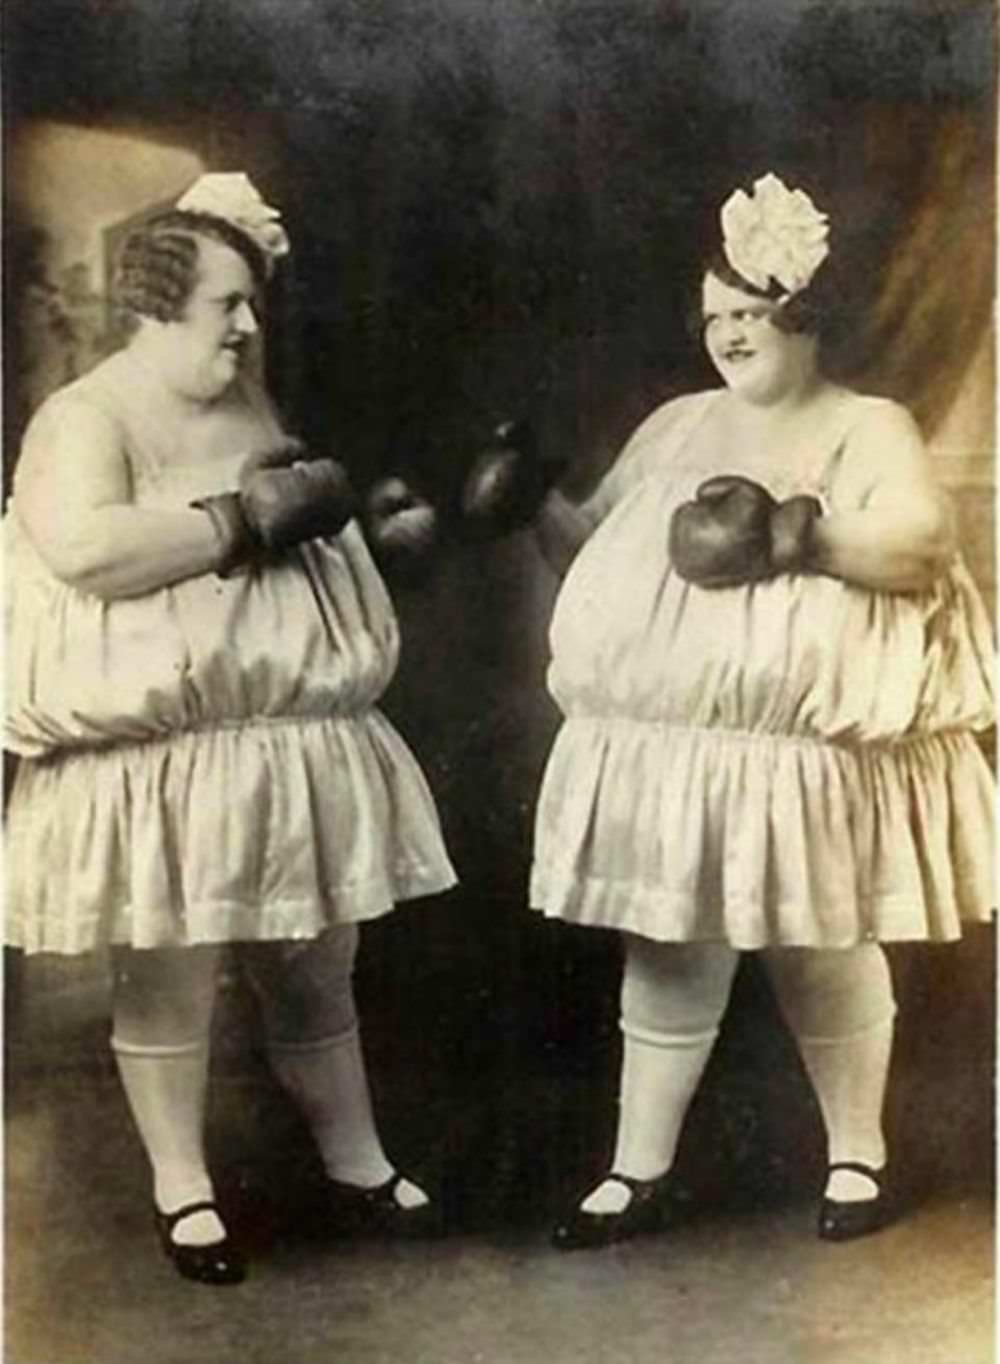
pixel 933 297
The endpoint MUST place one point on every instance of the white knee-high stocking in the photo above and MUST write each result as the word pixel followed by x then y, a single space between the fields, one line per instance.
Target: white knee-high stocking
pixel 162 1020
pixel 839 1004
pixel 659 1079
pixel 850 1076
pixel 329 1083
pixel 673 997
pixel 166 1090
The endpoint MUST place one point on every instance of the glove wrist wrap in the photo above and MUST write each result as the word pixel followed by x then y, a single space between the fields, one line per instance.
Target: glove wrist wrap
pixel 237 542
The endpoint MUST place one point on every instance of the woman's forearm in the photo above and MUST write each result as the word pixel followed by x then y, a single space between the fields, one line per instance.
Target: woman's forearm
pixel 882 549
pixel 560 529
pixel 125 551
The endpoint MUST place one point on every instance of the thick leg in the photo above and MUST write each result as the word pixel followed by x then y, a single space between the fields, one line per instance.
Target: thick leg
pixel 673 998
pixel 840 1006
pixel 162 1008
pixel 314 1045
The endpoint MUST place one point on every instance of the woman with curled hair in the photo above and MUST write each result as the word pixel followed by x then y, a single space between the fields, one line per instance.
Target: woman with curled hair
pixel 772 666
pixel 819 309
pixel 159 262
pixel 196 645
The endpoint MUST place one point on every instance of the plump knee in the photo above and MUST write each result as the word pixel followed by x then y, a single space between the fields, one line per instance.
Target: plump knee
pixel 305 988
pixel 675 992
pixel 163 996
pixel 829 994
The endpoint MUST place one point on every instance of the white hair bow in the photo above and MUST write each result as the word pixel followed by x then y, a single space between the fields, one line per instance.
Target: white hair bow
pixel 774 234
pixel 232 197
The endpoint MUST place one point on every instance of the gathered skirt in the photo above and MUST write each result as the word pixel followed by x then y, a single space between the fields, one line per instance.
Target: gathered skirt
pixel 682 833
pixel 258 829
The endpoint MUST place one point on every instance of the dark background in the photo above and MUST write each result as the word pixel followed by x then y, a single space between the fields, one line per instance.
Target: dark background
pixel 495 209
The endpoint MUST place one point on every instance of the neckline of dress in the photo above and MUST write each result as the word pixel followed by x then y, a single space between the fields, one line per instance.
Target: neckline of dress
pixel 823 447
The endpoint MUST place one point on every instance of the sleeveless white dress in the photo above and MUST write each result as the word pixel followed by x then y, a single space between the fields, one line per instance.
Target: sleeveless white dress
pixel 205 762
pixel 791 762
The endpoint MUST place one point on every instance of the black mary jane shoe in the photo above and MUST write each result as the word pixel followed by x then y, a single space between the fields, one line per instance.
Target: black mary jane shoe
pixel 846 1221
pixel 357 1211
pixel 651 1208
pixel 219 1262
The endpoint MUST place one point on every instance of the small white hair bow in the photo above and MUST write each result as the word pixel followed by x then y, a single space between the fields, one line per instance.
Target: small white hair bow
pixel 230 195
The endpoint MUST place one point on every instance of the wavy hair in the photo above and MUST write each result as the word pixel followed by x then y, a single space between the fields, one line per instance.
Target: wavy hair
pixel 817 310
pixel 158 266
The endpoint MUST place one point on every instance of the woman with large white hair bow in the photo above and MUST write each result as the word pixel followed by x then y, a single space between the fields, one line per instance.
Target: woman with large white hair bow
pixel 771 665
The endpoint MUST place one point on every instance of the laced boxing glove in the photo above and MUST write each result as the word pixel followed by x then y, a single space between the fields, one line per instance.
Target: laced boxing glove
pixel 735 532
pixel 283 500
pixel 507 484
pixel 401 528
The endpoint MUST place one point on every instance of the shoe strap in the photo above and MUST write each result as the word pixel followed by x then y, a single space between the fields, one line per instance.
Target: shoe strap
pixel 171 1219
pixel 859 1168
pixel 376 1192
pixel 387 1191
pixel 636 1187
pixel 627 1181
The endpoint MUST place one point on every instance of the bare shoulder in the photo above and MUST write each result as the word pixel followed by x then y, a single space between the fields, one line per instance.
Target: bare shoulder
pixel 65 411
pixel 664 418
pixel 884 452
pixel 75 444
pixel 650 446
pixel 875 419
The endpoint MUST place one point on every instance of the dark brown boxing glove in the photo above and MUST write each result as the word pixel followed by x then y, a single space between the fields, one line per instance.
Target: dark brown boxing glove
pixel 286 451
pixel 279 505
pixel 401 528
pixel 507 484
pixel 304 501
pixel 735 532
pixel 793 533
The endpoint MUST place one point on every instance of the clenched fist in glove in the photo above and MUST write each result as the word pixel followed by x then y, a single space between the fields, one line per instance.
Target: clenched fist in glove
pixel 284 498
pixel 736 532
pixel 507 484
pixel 401 528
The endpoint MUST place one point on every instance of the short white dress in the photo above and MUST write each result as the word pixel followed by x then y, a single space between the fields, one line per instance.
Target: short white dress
pixel 205 762
pixel 791 762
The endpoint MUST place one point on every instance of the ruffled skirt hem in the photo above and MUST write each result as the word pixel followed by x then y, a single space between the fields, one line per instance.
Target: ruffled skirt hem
pixel 238 833
pixel 203 924
pixel 653 915
pixel 683 835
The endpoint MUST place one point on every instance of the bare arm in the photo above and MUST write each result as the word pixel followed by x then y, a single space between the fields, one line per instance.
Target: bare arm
pixel 897 532
pixel 73 494
pixel 561 527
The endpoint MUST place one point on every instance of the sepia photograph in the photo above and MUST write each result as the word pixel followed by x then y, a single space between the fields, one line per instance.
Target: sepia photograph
pixel 499 585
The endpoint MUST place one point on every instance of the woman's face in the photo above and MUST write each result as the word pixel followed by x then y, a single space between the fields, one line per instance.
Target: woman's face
pixel 206 345
pixel 756 359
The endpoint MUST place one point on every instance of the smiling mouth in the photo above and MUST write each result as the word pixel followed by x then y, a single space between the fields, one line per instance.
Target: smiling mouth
pixel 735 356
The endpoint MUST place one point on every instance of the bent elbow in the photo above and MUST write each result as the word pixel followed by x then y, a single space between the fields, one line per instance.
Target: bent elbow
pixel 929 545
pixel 938 540
pixel 85 562
pixel 928 558
pixel 560 530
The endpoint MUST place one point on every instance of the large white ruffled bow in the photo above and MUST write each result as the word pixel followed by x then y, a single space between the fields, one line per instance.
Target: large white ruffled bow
pixel 774 234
